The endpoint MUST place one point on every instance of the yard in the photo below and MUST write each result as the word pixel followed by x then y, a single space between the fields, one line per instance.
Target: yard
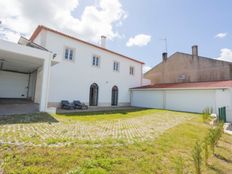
pixel 128 141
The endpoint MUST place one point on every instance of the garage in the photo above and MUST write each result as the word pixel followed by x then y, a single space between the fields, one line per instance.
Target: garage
pixel 187 97
pixel 24 77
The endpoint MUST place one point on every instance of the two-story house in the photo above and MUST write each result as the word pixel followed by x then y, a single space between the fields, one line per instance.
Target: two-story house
pixel 82 71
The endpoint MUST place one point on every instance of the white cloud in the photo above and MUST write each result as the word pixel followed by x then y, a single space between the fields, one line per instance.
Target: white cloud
pixel 221 35
pixel 96 20
pixel 146 68
pixel 225 54
pixel 139 40
pixel 9 35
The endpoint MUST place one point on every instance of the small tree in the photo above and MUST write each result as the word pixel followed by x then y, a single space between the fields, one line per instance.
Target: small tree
pixel 212 139
pixel 214 135
pixel 206 150
pixel 179 165
pixel 218 132
pixel 197 159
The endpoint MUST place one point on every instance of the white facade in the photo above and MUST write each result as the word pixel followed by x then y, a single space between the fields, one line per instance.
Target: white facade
pixel 188 100
pixel 71 79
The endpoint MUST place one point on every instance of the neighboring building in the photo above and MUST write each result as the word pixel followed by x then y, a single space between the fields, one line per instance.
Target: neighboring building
pixel 188 97
pixel 75 70
pixel 182 67
pixel 189 83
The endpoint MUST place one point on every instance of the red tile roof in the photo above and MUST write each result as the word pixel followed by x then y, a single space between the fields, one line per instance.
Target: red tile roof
pixel 41 27
pixel 193 85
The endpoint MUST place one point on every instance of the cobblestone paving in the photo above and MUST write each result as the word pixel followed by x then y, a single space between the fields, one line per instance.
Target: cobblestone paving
pixel 61 133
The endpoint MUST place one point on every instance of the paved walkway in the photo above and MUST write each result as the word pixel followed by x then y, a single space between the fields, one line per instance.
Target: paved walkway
pixel 127 130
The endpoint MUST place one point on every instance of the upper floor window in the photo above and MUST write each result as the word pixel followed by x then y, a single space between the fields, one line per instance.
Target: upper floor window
pixel 116 66
pixel 96 61
pixel 132 71
pixel 69 53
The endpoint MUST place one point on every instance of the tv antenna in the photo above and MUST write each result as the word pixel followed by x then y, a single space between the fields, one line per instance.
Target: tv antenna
pixel 165 44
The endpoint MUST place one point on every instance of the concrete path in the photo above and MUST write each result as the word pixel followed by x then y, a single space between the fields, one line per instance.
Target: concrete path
pixel 96 109
pixel 17 106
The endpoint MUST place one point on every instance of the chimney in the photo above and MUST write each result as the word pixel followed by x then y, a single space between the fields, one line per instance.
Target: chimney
pixel 165 56
pixel 103 41
pixel 195 51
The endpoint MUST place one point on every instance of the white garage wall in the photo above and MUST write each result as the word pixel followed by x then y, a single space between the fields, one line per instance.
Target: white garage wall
pixel 147 99
pixel 180 100
pixel 13 85
pixel 190 100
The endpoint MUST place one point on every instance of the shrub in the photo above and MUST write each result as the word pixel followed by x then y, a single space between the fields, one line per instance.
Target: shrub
pixel 179 165
pixel 197 159
pixel 206 113
pixel 214 135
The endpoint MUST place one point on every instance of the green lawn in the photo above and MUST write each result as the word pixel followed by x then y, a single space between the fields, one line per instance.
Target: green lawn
pixel 122 142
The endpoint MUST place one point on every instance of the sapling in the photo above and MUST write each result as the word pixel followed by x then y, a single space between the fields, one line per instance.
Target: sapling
pixel 197 159
pixel 206 150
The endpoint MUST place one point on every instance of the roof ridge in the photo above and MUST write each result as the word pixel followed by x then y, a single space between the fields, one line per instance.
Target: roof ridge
pixel 40 27
pixel 204 57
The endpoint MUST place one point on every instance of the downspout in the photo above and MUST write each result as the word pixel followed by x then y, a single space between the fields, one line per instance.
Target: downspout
pixel 141 80
pixel 28 85
pixel 164 99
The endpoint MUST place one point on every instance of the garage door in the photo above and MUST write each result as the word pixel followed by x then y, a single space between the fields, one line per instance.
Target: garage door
pixel 190 100
pixel 13 85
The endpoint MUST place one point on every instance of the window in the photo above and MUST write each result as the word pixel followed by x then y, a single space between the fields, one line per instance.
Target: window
pixel 96 61
pixel 68 54
pixel 131 70
pixel 116 66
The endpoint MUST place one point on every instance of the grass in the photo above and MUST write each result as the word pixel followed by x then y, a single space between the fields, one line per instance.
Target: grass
pixel 157 155
pixel 105 115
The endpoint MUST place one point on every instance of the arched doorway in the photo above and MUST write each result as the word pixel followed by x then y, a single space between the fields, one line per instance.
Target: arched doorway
pixel 114 98
pixel 93 95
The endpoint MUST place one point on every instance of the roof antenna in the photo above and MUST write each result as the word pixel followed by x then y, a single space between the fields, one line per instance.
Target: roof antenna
pixel 165 44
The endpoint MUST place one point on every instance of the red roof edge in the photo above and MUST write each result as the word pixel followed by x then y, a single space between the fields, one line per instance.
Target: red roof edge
pixel 41 27
pixel 190 85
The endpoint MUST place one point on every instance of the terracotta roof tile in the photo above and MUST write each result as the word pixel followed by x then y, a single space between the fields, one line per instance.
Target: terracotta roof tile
pixel 194 85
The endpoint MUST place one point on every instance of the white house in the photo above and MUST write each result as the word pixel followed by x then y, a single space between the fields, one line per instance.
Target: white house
pixel 62 67
pixel 188 97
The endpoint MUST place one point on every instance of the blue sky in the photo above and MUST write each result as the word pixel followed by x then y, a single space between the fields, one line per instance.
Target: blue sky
pixel 183 22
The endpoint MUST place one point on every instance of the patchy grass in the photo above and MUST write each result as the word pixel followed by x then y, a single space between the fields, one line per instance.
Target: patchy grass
pixel 103 156
pixel 27 118
pixel 106 115
pixel 120 127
